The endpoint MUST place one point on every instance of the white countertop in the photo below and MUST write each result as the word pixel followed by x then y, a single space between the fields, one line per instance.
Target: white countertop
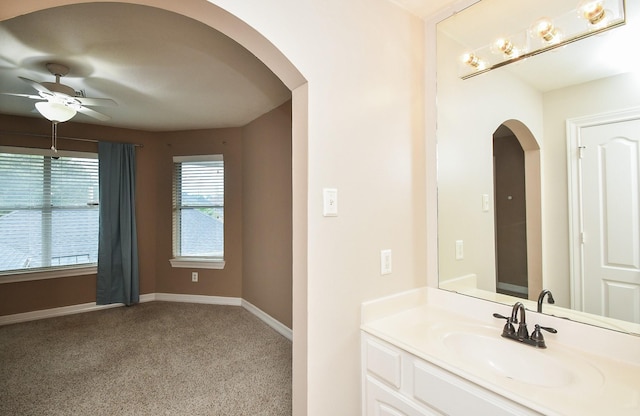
pixel 608 362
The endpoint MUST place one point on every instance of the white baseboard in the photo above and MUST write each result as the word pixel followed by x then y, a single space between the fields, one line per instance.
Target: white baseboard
pixel 61 311
pixel 269 320
pixel 210 300
pixel 150 297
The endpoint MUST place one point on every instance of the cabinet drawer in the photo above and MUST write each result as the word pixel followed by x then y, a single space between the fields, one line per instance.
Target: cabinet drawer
pixel 384 362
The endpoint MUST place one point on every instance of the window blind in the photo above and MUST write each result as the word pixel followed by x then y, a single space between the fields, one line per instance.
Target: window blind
pixel 198 207
pixel 48 210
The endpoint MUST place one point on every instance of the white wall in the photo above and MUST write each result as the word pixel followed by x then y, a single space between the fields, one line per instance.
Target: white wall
pixel 363 63
pixel 469 112
pixel 364 68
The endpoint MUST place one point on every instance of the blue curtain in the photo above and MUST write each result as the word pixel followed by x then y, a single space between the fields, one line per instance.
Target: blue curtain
pixel 118 280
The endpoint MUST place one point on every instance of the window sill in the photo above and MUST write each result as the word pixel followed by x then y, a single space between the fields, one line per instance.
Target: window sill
pixel 197 263
pixel 25 276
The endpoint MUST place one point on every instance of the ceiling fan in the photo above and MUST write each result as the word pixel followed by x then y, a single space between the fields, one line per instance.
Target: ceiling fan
pixel 59 102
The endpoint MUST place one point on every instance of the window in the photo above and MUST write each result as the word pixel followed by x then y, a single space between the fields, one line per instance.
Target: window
pixel 198 211
pixel 48 210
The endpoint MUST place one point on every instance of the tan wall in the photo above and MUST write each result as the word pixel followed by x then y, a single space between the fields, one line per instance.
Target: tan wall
pixel 267 205
pixel 269 260
pixel 226 282
pixel 44 294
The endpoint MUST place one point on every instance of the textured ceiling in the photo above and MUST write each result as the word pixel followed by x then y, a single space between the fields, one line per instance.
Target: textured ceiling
pixel 165 71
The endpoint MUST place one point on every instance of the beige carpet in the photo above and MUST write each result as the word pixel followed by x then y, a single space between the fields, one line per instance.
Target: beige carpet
pixel 155 358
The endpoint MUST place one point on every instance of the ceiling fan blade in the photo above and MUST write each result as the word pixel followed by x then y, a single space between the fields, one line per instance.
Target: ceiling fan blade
pixel 93 113
pixel 33 97
pixel 36 85
pixel 104 102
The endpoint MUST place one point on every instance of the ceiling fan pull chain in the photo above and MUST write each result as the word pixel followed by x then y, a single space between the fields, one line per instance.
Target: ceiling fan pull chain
pixel 54 136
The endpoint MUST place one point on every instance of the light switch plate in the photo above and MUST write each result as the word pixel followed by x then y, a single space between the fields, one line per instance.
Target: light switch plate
pixel 459 250
pixel 330 202
pixel 385 262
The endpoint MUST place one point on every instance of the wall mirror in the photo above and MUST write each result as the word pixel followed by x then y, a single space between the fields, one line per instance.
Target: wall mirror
pixel 538 166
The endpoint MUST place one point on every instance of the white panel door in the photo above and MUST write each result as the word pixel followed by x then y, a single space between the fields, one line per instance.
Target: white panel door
pixel 610 189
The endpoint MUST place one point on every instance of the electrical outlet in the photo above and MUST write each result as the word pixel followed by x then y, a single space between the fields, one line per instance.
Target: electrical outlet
pixel 194 276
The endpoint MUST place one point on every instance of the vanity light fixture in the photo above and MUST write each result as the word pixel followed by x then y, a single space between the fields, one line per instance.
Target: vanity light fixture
pixel 544 34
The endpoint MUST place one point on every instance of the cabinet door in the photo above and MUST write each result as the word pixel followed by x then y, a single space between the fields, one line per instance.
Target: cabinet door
pixel 458 397
pixel 382 401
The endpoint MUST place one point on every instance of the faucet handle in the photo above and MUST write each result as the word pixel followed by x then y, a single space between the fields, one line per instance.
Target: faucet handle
pixel 508 329
pixel 497 315
pixel 548 329
pixel 537 338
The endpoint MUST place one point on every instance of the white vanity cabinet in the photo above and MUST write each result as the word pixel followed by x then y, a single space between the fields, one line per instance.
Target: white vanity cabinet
pixel 397 383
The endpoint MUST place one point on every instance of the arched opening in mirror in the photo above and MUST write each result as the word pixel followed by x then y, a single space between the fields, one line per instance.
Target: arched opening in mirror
pixel 518 240
pixel 510 227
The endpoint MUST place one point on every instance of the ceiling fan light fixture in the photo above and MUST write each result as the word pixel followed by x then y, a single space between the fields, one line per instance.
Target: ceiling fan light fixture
pixel 56 112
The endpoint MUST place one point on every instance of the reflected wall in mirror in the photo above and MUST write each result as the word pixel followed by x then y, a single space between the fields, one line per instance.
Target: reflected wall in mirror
pixel 538 168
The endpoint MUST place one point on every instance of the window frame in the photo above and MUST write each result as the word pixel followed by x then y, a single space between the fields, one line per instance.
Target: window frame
pixel 198 262
pixel 48 272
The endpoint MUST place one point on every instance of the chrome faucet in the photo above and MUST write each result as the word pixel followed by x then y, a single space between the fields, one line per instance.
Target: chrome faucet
pixel 545 292
pixel 522 335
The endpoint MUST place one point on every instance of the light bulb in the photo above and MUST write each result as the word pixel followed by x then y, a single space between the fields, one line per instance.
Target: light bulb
pixel 505 46
pixel 473 60
pixel 544 29
pixel 593 11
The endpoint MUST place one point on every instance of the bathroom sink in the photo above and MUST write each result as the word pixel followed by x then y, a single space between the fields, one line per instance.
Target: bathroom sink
pixel 519 362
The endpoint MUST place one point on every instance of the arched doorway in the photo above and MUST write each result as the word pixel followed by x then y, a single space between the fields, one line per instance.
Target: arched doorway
pixel 238 30
pixel 518 221
pixel 510 214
